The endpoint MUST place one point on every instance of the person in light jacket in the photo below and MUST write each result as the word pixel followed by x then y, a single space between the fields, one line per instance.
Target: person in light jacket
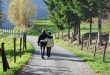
pixel 42 42
pixel 50 44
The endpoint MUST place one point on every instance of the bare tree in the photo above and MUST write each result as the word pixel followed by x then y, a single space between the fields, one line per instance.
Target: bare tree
pixel 20 12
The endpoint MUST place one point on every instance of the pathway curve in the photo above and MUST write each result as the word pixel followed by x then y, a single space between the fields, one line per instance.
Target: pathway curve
pixel 62 62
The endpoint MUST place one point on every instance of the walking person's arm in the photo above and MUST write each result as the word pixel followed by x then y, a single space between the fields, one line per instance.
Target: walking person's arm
pixel 39 40
pixel 48 36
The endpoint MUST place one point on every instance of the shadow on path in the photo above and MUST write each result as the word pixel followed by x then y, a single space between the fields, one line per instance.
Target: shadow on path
pixel 59 56
pixel 46 70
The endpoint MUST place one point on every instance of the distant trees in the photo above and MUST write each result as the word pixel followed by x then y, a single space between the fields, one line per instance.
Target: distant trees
pixel 63 13
pixel 88 11
pixel 71 12
pixel 20 12
pixel 55 13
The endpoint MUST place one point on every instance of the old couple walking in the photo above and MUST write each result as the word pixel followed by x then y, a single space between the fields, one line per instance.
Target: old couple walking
pixel 45 41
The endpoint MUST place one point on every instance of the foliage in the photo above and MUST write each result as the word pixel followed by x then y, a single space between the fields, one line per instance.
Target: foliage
pixel 64 11
pixel 21 11
pixel 57 12
pixel 38 25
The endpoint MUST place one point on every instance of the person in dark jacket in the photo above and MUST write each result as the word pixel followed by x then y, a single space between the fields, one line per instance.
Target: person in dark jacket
pixel 42 42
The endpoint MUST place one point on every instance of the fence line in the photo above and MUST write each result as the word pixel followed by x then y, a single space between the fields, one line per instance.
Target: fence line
pixel 11 32
pixel 4 59
pixel 22 43
pixel 87 44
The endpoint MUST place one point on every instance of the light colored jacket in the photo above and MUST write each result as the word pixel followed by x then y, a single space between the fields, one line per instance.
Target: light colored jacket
pixel 50 42
pixel 45 40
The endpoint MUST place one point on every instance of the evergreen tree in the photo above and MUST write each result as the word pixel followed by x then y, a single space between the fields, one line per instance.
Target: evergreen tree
pixel 68 13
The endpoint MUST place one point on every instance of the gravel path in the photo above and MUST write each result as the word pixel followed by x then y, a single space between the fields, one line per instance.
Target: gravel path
pixel 62 62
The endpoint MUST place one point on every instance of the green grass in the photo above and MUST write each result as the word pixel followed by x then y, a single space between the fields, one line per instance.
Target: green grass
pixel 39 25
pixel 85 27
pixel 15 67
pixel 100 67
pixel 97 64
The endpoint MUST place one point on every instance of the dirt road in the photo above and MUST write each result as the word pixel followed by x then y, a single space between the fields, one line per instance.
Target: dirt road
pixel 62 62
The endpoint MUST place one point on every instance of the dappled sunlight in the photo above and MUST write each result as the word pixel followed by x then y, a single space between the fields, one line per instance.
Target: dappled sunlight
pixel 80 30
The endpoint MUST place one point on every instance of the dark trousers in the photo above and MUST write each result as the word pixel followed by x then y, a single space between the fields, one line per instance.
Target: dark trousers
pixel 48 51
pixel 43 45
pixel 42 51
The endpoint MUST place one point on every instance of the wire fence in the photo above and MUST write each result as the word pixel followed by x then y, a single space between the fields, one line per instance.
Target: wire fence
pixel 18 36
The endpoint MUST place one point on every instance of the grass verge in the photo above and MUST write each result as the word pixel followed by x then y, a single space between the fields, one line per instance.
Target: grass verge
pixel 20 62
pixel 100 67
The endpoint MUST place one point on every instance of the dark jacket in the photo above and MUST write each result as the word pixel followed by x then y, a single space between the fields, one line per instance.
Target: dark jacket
pixel 42 37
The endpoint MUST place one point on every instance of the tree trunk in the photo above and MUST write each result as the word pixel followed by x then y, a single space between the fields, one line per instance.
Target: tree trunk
pixel 77 30
pixel 79 33
pixel 99 31
pixel 68 33
pixel 74 35
pixel 90 30
pixel 109 38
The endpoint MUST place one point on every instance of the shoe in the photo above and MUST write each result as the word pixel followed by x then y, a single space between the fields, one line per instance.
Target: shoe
pixel 42 57
pixel 47 57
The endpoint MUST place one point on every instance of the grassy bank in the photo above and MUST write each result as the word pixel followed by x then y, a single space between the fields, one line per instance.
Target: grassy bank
pixel 20 62
pixel 38 25
pixel 100 67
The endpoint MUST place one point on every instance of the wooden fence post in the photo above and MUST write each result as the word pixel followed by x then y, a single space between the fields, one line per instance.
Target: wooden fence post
pixel 20 46
pixel 4 59
pixel 24 41
pixel 88 43
pixel 82 43
pixel 72 36
pixel 95 48
pixel 105 51
pixel 14 50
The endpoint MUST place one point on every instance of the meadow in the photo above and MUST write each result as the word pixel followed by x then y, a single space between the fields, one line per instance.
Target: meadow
pixel 39 24
pixel 97 64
